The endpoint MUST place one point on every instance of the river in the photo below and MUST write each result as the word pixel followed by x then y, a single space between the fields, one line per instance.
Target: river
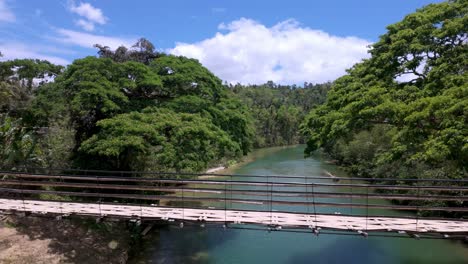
pixel 215 245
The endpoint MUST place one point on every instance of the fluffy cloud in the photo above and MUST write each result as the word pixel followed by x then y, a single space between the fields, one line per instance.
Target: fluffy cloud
pixel 86 25
pixel 6 15
pixel 250 52
pixel 91 15
pixel 88 40
pixel 13 51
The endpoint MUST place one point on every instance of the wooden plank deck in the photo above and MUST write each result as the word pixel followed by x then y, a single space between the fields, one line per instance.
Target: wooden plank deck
pixel 296 220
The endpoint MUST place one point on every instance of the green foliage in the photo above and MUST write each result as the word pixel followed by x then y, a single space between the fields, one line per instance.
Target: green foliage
pixel 139 81
pixel 91 87
pixel 160 139
pixel 229 114
pixel 362 152
pixel 24 71
pixel 425 113
pixel 17 144
pixel 143 52
pixel 48 105
pixel 189 104
pixel 18 78
pixel 56 144
pixel 123 106
pixel 233 117
pixel 183 76
pixel 278 110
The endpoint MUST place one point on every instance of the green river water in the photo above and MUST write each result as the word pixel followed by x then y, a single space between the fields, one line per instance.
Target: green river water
pixel 193 244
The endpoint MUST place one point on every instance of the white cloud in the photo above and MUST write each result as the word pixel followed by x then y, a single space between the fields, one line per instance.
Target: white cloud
pixel 88 40
pixel 6 15
pixel 86 25
pixel 90 12
pixel 13 51
pixel 250 52
pixel 91 15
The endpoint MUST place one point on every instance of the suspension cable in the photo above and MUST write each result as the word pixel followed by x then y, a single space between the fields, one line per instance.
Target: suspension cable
pixel 161 173
pixel 367 208
pixel 183 202
pixel 225 204
pixel 313 203
pixel 271 201
pixel 99 196
pixel 307 197
pixel 417 213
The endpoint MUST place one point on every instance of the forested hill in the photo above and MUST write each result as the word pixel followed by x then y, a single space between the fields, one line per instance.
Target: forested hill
pixel 279 110
pixel 128 109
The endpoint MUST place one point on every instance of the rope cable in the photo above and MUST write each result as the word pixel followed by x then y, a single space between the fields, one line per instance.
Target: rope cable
pixel 61 204
pixel 225 204
pixel 417 212
pixel 183 202
pixel 22 194
pixel 256 176
pixel 99 196
pixel 313 203
pixel 307 197
pixel 271 201
pixel 367 207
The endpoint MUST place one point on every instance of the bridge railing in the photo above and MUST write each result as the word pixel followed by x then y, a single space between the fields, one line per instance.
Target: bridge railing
pixel 188 175
pixel 411 198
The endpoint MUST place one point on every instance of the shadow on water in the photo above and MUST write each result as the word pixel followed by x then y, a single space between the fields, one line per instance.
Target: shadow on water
pixel 341 250
pixel 191 244
pixel 362 251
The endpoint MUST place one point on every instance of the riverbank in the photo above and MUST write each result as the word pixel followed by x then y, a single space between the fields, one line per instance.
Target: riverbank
pixel 252 156
pixel 49 241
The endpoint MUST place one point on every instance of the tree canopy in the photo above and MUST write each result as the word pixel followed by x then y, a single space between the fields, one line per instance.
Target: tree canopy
pixel 142 51
pixel 278 110
pixel 19 81
pixel 162 112
pixel 162 140
pixel 415 89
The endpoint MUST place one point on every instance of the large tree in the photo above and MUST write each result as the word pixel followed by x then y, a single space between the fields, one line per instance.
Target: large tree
pixel 18 78
pixel 415 87
pixel 133 114
pixel 160 139
pixel 19 81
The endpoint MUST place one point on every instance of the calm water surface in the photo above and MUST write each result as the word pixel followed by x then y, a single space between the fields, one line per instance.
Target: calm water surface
pixel 215 245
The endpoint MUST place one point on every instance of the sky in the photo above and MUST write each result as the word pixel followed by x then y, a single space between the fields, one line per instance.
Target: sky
pixel 245 41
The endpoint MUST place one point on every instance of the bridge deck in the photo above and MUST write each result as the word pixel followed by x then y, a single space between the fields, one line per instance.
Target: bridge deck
pixel 298 220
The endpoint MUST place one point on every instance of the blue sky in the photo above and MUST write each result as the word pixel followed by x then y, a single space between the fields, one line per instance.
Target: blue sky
pixel 241 41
